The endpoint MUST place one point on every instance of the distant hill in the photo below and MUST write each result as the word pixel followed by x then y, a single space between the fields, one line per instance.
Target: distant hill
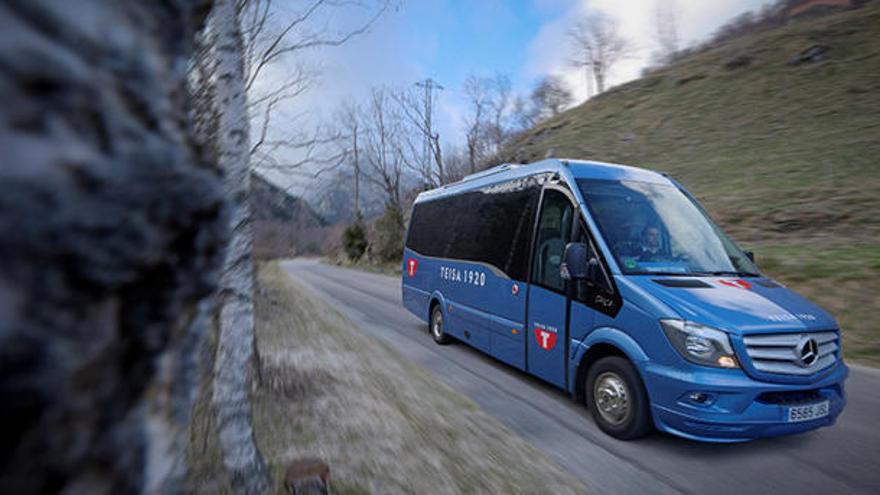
pixel 334 199
pixel 284 225
pixel 272 203
pixel 778 134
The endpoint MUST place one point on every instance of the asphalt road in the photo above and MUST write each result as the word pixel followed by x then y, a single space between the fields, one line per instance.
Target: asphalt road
pixel 844 458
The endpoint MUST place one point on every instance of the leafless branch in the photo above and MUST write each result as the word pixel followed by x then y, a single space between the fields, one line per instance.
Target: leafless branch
pixel 268 41
pixel 280 44
pixel 490 118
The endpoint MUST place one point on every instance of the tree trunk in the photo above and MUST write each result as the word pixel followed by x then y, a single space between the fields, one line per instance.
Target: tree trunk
pixel 472 156
pixel 599 72
pixel 589 77
pixel 234 363
pixel 110 228
pixel 438 159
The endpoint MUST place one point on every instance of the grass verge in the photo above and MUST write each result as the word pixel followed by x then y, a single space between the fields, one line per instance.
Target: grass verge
pixel 382 423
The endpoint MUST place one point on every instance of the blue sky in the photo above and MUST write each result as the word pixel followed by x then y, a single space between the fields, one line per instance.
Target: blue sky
pixel 455 38
pixel 448 40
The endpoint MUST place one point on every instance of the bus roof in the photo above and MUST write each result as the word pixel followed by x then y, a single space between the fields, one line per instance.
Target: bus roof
pixel 576 169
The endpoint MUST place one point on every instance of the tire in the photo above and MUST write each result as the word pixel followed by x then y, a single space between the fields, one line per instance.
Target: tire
pixel 436 327
pixel 616 398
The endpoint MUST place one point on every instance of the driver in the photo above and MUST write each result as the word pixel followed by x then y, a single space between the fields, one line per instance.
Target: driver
pixel 650 248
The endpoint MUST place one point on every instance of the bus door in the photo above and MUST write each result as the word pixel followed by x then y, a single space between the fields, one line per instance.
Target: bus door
pixel 548 306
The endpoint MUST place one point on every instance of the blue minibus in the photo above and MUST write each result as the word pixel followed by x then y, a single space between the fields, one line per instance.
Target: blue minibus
pixel 612 283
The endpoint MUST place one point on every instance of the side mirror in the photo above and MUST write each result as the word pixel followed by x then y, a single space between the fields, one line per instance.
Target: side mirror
pixel 750 255
pixel 574 262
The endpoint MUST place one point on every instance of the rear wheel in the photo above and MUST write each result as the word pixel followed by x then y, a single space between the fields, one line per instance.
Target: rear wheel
pixel 438 330
pixel 617 400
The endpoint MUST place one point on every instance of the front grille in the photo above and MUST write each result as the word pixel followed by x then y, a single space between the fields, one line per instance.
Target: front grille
pixel 781 353
pixel 791 398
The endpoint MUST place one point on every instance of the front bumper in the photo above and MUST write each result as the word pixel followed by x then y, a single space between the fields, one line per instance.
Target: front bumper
pixel 740 408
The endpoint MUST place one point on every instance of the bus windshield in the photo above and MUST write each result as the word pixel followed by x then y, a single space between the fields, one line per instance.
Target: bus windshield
pixel 657 229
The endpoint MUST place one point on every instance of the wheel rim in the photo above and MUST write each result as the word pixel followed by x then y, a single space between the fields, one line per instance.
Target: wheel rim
pixel 611 398
pixel 437 324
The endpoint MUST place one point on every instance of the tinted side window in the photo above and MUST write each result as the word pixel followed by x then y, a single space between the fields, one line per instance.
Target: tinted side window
pixel 554 231
pixel 414 233
pixel 464 237
pixel 492 225
pixel 522 220
pixel 507 213
pixel 429 228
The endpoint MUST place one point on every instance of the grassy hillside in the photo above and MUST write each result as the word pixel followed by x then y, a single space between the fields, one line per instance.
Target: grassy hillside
pixel 784 156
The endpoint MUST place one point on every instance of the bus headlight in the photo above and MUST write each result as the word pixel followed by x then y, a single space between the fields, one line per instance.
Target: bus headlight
pixel 700 344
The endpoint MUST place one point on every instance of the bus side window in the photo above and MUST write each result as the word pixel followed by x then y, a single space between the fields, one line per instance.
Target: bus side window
pixel 554 230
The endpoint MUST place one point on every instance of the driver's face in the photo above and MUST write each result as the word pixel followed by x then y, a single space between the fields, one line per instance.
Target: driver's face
pixel 652 238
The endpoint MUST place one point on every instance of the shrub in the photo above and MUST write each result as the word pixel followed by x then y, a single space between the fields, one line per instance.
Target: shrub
pixel 388 243
pixel 354 240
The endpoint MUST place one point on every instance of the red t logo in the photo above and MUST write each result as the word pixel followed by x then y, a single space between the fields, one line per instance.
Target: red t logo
pixel 546 340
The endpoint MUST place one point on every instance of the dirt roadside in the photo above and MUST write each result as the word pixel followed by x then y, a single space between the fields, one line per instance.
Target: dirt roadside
pixel 382 423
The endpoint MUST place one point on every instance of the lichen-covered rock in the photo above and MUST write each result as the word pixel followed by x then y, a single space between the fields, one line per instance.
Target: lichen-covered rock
pixel 111 234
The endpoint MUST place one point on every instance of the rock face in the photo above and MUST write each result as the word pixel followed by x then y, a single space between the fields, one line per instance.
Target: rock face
pixel 111 234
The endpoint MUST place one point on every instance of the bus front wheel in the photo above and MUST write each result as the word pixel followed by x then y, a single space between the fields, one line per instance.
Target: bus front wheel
pixel 616 398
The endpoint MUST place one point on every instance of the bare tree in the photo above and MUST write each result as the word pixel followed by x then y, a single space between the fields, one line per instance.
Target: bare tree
pixel 491 108
pixel 598 47
pixel 272 42
pixel 666 34
pixel 383 152
pixel 500 108
pixel 349 118
pixel 477 94
pixel 415 108
pixel 457 165
pixel 234 365
pixel 550 97
pixel 522 114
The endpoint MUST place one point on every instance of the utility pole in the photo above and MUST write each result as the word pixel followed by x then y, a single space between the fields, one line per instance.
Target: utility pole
pixel 357 173
pixel 428 85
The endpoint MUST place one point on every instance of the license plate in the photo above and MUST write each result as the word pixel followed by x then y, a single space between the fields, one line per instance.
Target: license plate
pixel 806 413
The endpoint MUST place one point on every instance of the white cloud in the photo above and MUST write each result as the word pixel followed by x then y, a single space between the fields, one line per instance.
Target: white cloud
pixel 549 50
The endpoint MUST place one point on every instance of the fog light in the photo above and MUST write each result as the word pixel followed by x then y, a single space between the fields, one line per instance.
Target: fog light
pixel 699 398
pixel 726 362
